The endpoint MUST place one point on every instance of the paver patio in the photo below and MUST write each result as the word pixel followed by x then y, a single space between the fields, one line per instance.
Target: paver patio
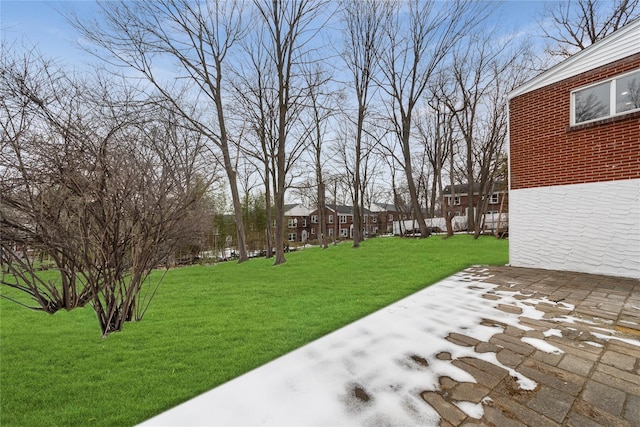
pixel 497 346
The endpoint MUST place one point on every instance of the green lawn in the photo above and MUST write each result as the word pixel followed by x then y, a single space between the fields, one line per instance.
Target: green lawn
pixel 207 325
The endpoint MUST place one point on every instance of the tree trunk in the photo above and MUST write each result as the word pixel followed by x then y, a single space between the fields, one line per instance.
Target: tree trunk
pixel 357 217
pixel 322 222
pixel 413 194
pixel 268 226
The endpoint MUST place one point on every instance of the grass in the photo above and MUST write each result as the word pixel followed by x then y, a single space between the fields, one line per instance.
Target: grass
pixel 206 325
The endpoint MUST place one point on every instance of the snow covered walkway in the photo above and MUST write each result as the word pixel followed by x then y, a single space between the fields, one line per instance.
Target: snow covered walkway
pixel 485 345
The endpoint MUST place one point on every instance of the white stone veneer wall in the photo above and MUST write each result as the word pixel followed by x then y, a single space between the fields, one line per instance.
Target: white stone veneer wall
pixel 590 228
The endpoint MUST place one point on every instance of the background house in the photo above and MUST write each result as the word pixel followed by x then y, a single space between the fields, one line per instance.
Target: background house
pixel 298 225
pixel 498 196
pixel 386 214
pixel 575 162
pixel 339 222
pixel 495 215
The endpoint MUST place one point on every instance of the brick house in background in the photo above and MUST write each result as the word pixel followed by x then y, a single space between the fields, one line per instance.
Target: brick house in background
pixel 339 222
pixel 386 214
pixel 575 162
pixel 297 223
pixel 498 197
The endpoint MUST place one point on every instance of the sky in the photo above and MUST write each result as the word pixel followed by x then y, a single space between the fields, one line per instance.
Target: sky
pixel 41 24
pixel 29 24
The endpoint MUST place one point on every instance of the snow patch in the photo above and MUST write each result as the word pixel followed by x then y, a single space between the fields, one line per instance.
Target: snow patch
pixel 542 345
pixel 553 333
pixel 474 410
pixel 614 337
pixel 594 344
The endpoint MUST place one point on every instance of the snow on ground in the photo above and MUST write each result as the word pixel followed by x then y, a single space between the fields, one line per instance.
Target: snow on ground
pixel 372 371
pixel 542 345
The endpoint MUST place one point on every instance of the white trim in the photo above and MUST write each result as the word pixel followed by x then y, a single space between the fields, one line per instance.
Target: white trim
pixel 617 45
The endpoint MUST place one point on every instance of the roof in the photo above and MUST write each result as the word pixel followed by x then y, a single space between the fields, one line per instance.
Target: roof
pixel 296 210
pixel 498 186
pixel 383 207
pixel 345 210
pixel 617 45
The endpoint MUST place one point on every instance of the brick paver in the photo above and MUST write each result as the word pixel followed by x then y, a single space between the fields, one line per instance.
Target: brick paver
pixel 594 378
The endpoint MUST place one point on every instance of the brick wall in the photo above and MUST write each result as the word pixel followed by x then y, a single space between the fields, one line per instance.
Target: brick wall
pixel 545 150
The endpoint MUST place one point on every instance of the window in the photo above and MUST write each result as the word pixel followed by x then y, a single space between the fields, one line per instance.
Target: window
pixel 456 200
pixel 617 96
pixel 292 237
pixel 343 232
pixel 374 219
pixel 304 222
pixel 314 219
pixel 330 219
pixel 493 199
pixel 313 230
pixel 628 92
pixel 331 232
pixel 343 219
pixel 390 217
pixel 293 222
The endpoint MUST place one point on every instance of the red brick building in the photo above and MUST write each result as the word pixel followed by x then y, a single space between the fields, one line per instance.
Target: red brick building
pixel 575 162
pixel 339 222
pixel 497 198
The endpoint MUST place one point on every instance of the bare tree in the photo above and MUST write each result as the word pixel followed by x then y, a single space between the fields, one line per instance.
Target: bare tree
pixel 198 37
pixel 95 184
pixel 436 131
pixel 289 26
pixel 573 25
pixel 257 98
pixel 322 106
pixel 482 73
pixel 364 23
pixel 420 36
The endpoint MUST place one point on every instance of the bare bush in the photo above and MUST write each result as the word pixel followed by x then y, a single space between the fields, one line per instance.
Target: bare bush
pixel 94 180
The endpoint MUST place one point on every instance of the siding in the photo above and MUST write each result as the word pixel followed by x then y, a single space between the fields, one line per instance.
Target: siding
pixel 590 228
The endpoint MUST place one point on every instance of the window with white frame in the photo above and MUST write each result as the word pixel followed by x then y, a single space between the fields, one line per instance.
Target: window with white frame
pixel 304 222
pixel 331 232
pixel 313 230
pixel 617 96
pixel 330 219
pixel 292 237
pixel 314 219
pixel 293 222
pixel 493 199
pixel 343 219
pixel 456 200
pixel 343 232
pixel 390 217
pixel 374 219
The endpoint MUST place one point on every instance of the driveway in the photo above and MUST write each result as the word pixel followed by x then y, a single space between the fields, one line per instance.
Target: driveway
pixel 488 346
